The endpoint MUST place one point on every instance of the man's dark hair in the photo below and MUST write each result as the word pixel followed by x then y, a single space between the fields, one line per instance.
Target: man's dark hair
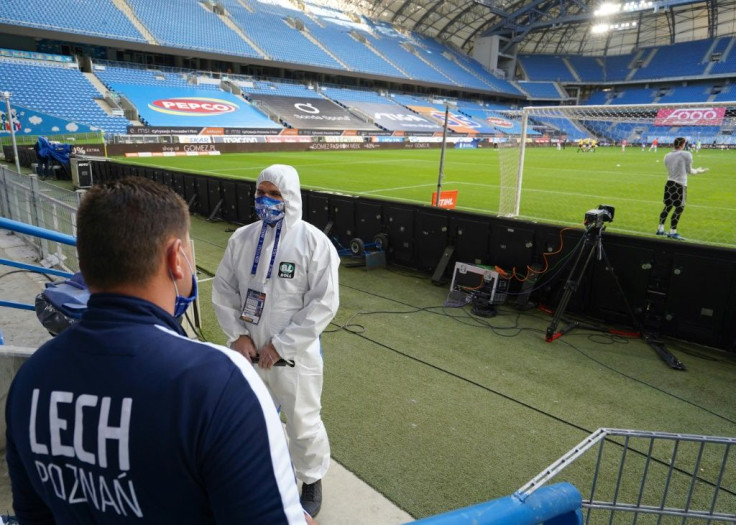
pixel 122 227
pixel 679 142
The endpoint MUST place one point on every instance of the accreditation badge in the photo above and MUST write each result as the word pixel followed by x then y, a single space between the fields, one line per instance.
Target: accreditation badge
pixel 253 308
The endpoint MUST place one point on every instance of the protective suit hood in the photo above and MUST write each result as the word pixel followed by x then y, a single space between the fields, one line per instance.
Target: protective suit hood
pixel 286 179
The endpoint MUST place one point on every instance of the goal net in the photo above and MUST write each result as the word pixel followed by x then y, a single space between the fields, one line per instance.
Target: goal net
pixel 570 159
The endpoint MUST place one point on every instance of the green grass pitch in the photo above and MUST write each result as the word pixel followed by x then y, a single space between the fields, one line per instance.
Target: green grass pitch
pixel 558 186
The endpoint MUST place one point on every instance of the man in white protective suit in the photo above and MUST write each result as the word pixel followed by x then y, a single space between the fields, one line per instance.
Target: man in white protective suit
pixel 274 292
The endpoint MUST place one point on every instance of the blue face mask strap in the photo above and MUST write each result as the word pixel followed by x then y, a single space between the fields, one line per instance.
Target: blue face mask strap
pixel 259 248
pixel 182 303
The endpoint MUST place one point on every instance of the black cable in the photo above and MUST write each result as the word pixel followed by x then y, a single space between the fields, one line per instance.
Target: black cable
pixel 27 271
pixel 653 387
pixel 611 337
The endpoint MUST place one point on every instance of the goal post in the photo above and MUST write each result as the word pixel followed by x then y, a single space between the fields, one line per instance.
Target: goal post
pixel 594 141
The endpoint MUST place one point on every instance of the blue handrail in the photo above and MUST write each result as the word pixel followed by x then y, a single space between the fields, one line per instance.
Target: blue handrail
pixel 558 504
pixel 29 229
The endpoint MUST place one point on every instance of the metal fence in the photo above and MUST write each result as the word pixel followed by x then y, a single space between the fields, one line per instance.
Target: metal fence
pixel 27 199
pixel 639 477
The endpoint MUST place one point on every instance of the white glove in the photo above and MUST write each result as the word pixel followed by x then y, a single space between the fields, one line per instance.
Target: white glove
pixel 699 170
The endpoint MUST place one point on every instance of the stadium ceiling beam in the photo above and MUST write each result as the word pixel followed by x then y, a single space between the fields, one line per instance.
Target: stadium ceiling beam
pixel 454 19
pixel 436 4
pixel 400 10
pixel 712 7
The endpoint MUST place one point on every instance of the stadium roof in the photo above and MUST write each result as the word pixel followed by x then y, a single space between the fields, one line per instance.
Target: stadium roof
pixel 554 26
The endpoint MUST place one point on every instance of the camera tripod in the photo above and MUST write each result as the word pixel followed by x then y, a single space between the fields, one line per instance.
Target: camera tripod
pixel 592 244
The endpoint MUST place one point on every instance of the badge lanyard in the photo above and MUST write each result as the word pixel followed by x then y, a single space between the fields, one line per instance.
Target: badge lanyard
pixel 257 257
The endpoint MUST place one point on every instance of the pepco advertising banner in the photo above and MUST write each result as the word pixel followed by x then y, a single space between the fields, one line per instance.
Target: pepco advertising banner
pixel 457 123
pixel 690 117
pixel 196 108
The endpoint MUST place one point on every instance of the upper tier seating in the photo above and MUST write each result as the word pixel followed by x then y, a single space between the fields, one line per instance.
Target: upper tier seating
pixel 188 24
pixel 112 74
pixel 88 17
pixel 541 90
pixel 344 95
pixel 589 69
pixel 279 89
pixel 545 67
pixel 268 28
pixel 684 59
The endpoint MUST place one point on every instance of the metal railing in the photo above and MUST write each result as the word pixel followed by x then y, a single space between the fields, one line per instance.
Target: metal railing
pixel 619 476
pixel 634 476
pixel 27 199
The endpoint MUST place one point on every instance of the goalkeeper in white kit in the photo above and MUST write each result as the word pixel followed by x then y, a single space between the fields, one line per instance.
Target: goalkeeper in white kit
pixel 679 165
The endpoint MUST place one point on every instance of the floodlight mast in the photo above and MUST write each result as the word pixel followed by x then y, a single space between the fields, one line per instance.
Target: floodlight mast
pixel 9 118
pixel 442 155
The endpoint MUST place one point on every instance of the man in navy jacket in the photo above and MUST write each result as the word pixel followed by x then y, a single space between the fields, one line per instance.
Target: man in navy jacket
pixel 122 418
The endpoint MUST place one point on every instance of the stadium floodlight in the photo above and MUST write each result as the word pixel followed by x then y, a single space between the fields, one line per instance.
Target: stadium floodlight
pixel 604 28
pixel 607 9
pixel 611 8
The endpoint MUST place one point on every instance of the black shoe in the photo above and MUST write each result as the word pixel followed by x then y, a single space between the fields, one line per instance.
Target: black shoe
pixel 311 499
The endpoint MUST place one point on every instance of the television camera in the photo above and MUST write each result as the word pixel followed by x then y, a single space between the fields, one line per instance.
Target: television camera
pixel 595 218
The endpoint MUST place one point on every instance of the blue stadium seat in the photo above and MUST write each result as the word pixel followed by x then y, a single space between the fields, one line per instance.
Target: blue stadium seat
pixel 89 17
pixel 59 91
pixel 541 90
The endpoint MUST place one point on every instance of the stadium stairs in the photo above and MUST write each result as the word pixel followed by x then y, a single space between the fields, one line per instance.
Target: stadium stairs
pixel 228 21
pixel 128 12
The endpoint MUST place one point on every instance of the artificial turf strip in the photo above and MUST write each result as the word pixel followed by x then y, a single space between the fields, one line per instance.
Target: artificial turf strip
pixel 436 410
pixel 558 186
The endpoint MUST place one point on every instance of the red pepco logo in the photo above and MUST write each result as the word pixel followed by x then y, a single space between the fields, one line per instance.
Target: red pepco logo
pixel 690 117
pixel 193 106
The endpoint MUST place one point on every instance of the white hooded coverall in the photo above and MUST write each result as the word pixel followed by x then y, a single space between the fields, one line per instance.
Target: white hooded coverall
pixel 302 298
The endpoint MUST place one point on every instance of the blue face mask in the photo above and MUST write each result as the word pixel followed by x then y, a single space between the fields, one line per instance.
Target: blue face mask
pixel 269 210
pixel 182 303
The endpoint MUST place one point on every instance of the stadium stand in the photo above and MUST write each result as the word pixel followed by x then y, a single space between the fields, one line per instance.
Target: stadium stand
pixel 634 95
pixel 273 29
pixel 697 93
pixel 438 55
pixel 189 25
pixel 726 93
pixel 88 17
pixel 545 68
pixel 280 89
pixel 617 68
pixel 727 63
pixel 565 127
pixel 340 35
pixel 344 95
pixel 112 74
pixel 588 69
pixel 400 50
pixel 689 57
pixel 541 90
pixel 58 90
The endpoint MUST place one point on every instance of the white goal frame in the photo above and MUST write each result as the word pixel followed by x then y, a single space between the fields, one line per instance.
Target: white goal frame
pixel 510 190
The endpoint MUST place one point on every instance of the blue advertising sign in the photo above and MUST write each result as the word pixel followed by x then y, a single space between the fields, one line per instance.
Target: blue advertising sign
pixel 396 118
pixel 191 107
pixel 29 122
